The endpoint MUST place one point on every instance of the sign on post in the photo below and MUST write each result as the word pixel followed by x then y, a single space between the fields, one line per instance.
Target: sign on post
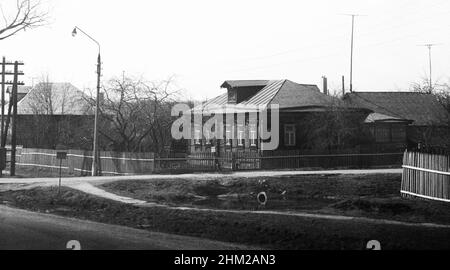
pixel 61 156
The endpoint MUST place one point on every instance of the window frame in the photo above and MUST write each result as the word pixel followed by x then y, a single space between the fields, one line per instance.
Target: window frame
pixel 288 133
pixel 253 135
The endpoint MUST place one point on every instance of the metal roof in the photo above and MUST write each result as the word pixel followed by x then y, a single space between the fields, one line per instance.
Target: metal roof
pixel 266 95
pixel 379 117
pixel 284 93
pixel 244 83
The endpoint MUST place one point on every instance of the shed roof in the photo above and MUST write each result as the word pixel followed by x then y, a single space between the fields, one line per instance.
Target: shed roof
pixel 422 109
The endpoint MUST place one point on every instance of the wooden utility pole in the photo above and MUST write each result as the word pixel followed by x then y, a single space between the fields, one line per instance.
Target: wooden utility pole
pixel 3 102
pixel 14 119
pixel 15 83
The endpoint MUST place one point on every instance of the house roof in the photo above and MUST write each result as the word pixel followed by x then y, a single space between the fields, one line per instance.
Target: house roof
pixel 54 99
pixel 284 93
pixel 422 109
pixel 21 89
pixel 244 83
pixel 294 95
pixel 379 117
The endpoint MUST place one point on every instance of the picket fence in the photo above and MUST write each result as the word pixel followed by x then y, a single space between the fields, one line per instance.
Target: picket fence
pixel 426 175
pixel 80 162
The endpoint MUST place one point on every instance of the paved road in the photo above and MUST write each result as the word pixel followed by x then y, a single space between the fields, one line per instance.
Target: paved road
pixel 23 230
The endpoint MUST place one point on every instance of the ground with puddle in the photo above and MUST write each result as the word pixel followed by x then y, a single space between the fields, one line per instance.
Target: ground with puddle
pixel 375 196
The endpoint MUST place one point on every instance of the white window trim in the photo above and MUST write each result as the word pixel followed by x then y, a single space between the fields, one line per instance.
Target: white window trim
pixel 197 136
pixel 241 137
pixel 229 130
pixel 253 136
pixel 290 133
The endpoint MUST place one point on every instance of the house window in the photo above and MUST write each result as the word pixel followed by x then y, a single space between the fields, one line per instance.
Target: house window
pixel 383 134
pixel 289 135
pixel 253 136
pixel 229 135
pixel 241 136
pixel 208 138
pixel 197 136
pixel 398 134
pixel 232 96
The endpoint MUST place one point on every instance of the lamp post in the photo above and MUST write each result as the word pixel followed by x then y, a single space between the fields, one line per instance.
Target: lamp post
pixel 95 161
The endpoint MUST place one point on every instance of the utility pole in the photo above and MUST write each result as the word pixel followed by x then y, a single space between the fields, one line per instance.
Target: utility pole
pixel 12 108
pixel 3 100
pixel 96 164
pixel 14 119
pixel 430 85
pixel 96 160
pixel 352 48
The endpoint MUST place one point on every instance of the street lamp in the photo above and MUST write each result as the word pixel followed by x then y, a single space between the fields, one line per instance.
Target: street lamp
pixel 95 161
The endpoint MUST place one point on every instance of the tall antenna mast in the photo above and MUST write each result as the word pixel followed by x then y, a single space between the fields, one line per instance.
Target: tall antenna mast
pixel 430 83
pixel 352 47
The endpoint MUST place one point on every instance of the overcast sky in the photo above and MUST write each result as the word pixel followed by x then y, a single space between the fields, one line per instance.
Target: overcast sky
pixel 207 42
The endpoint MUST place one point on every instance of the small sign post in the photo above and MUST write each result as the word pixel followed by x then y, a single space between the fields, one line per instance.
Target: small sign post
pixel 60 156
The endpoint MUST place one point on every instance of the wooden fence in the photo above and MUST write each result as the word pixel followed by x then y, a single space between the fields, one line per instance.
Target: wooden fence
pixel 80 162
pixel 426 175
pixel 334 160
pixel 247 160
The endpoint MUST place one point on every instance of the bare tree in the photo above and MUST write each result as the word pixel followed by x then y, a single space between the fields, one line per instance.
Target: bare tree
pixel 136 115
pixel 26 14
pixel 338 127
pixel 434 134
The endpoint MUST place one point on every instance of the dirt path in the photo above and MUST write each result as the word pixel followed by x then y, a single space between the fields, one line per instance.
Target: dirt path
pixel 199 176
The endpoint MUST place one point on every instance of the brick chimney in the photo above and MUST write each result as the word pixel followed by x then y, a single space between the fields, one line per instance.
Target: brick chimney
pixel 325 85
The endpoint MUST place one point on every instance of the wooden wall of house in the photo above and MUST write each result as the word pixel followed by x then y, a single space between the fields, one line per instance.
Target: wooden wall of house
pixel 431 136
pixel 303 122
pixel 387 137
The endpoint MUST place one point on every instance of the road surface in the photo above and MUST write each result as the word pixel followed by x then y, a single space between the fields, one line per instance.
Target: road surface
pixel 24 230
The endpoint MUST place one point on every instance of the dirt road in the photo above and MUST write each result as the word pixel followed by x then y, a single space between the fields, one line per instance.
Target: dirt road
pixel 199 176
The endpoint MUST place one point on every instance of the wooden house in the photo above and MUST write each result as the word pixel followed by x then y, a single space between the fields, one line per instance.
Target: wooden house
pixel 402 119
pixel 308 118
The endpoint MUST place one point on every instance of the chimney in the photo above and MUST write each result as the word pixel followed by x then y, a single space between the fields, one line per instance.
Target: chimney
pixel 325 85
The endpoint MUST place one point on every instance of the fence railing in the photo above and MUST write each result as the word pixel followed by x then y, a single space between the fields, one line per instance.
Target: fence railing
pixel 426 175
pixel 113 163
pixel 80 162
pixel 344 159
pixel 242 160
